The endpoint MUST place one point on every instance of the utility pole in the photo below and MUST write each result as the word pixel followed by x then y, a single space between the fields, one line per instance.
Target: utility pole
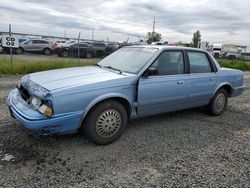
pixel 64 33
pixel 153 25
pixel 152 34
pixel 10 46
pixel 78 48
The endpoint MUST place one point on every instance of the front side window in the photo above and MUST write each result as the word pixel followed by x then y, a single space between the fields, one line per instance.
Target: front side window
pixel 199 62
pixel 169 63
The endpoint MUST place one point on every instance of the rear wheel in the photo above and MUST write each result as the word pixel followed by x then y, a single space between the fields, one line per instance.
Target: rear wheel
pixel 218 104
pixel 46 51
pixel 19 51
pixel 65 53
pixel 106 122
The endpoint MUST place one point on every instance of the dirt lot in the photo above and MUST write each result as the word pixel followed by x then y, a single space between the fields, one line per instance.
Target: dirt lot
pixel 187 148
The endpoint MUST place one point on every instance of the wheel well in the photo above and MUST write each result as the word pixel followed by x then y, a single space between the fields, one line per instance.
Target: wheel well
pixel 228 89
pixel 46 49
pixel 121 100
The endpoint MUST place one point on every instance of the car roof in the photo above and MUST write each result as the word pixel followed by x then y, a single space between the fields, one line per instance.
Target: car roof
pixel 160 47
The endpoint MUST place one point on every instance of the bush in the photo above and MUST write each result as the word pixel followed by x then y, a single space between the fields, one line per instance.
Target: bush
pixel 235 64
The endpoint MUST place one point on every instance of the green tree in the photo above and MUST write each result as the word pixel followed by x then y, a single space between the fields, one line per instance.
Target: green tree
pixel 153 37
pixel 196 39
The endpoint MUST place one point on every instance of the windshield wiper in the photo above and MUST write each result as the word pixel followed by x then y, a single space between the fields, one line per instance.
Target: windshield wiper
pixel 98 65
pixel 109 67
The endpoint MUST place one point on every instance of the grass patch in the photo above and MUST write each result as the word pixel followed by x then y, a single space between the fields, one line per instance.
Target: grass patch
pixel 25 67
pixel 235 64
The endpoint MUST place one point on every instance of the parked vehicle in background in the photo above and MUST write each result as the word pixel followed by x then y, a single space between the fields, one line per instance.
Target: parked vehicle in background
pixel 204 45
pixel 15 47
pixel 1 49
pixel 132 82
pixel 99 48
pixel 217 50
pixel 37 45
pixel 246 53
pixel 21 40
pixel 85 50
pixel 233 53
pixel 156 43
pixel 110 48
pixel 61 42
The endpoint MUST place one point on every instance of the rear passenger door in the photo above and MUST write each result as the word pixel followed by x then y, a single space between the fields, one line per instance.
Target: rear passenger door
pixel 202 78
pixel 37 45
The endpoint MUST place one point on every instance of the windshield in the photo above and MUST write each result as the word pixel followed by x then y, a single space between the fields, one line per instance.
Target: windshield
pixel 128 59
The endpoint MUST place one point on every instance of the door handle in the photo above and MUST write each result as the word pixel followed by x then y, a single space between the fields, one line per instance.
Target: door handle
pixel 212 79
pixel 180 82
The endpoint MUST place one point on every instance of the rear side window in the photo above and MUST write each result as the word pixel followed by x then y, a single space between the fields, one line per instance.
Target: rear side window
pixel 39 42
pixel 199 62
pixel 43 42
pixel 99 44
pixel 83 45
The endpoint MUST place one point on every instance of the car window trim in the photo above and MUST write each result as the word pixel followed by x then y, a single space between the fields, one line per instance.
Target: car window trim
pixel 211 63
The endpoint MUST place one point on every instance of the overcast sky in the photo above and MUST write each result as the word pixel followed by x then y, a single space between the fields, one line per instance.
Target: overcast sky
pixel 225 21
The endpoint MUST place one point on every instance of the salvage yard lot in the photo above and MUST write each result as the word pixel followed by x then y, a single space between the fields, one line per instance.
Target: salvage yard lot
pixel 186 148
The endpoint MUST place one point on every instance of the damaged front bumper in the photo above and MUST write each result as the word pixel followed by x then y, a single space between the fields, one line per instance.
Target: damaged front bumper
pixel 35 121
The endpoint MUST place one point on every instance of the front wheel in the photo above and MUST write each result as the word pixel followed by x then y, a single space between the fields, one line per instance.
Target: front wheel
pixel 88 55
pixel 106 122
pixel 218 103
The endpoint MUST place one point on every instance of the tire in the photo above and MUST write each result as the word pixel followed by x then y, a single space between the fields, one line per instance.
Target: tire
pixel 106 122
pixel 47 51
pixel 19 51
pixel 89 55
pixel 65 53
pixel 218 104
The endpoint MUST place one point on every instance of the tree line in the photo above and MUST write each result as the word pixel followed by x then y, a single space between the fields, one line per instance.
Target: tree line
pixel 155 37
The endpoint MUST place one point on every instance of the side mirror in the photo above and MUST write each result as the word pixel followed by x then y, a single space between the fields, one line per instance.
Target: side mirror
pixel 150 72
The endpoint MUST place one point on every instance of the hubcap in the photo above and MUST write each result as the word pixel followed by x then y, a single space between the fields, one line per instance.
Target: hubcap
pixel 47 52
pixel 88 55
pixel 108 123
pixel 220 101
pixel 65 54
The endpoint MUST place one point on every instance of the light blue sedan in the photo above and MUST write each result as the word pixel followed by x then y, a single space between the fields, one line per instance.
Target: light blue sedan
pixel 132 82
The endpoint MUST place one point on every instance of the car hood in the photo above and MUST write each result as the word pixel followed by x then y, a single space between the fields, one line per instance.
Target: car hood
pixel 64 78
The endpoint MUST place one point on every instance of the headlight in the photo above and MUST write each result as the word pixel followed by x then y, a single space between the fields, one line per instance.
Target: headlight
pixel 41 106
pixel 36 102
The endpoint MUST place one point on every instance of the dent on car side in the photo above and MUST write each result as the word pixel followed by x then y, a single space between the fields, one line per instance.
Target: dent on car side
pixel 75 91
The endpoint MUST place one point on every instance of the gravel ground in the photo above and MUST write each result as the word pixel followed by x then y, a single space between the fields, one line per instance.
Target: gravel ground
pixel 181 149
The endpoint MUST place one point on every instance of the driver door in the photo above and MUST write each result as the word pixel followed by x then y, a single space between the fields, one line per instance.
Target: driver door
pixel 166 89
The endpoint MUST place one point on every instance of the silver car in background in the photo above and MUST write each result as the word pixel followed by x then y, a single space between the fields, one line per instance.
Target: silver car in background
pixel 37 45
